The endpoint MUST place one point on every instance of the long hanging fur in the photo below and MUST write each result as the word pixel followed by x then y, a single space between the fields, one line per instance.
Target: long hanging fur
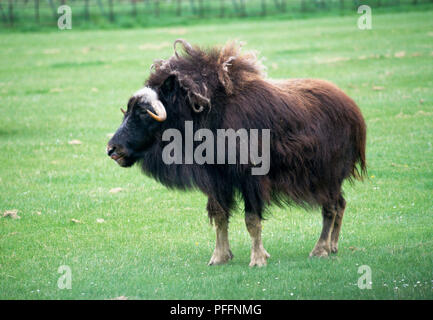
pixel 318 134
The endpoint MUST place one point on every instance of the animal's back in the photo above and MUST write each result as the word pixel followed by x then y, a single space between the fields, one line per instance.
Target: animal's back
pixel 328 146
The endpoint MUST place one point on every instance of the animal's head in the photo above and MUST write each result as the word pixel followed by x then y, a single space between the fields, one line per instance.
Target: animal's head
pixel 184 87
pixel 141 120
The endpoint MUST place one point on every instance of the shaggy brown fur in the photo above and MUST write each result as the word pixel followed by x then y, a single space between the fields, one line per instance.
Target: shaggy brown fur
pixel 318 134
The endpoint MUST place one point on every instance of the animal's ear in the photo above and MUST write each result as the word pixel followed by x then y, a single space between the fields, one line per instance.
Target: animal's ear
pixel 224 76
pixel 228 56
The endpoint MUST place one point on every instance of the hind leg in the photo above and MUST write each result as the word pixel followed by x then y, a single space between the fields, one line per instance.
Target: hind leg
pixel 258 253
pixel 337 224
pixel 323 245
pixel 217 214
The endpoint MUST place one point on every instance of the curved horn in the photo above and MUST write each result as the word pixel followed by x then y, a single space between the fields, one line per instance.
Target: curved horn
pixel 197 110
pixel 188 48
pixel 202 100
pixel 123 111
pixel 159 108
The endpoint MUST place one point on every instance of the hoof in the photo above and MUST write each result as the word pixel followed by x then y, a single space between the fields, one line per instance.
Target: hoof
pixel 334 248
pixel 220 257
pixel 258 258
pixel 319 252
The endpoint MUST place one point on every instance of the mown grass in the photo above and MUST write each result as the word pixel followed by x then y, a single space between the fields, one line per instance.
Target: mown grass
pixel 155 243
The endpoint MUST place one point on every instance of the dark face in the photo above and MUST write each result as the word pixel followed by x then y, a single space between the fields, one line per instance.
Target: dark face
pixel 141 121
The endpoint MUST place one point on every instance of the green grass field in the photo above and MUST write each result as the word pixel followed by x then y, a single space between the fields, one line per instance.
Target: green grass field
pixel 155 243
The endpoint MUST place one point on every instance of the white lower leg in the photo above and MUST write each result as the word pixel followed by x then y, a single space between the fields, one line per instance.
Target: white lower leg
pixel 258 252
pixel 222 252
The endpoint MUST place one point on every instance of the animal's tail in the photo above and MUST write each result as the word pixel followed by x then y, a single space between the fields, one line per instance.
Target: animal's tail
pixel 360 167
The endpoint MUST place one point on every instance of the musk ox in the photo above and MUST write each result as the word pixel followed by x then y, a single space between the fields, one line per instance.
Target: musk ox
pixel 317 139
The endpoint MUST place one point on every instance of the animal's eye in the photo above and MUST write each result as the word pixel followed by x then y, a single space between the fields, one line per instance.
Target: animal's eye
pixel 142 108
pixel 141 111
